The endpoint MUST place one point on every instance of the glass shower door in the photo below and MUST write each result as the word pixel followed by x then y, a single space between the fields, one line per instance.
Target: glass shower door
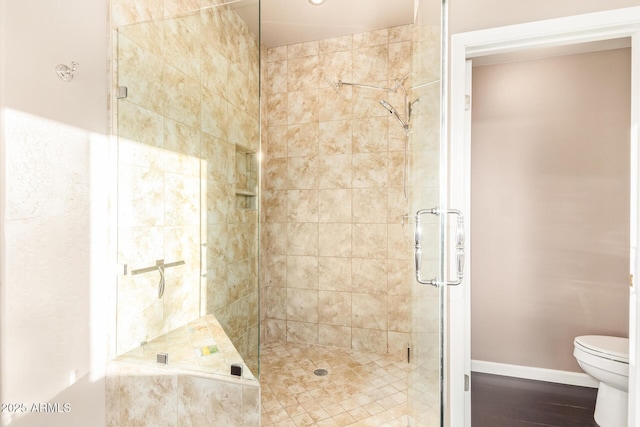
pixel 425 183
pixel 159 181
pixel 188 115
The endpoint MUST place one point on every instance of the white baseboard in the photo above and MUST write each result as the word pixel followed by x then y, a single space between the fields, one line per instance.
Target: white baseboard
pixel 539 374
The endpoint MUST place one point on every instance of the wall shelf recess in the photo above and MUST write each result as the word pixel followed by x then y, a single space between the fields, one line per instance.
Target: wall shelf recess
pixel 246 187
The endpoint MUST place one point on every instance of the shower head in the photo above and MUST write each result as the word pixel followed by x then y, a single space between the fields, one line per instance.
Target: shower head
pixel 393 111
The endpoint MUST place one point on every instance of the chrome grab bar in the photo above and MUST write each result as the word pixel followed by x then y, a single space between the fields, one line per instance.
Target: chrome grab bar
pixel 459 248
pixel 159 263
pixel 160 267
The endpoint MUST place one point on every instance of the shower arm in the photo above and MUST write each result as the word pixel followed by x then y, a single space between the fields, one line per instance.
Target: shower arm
pixel 386 89
pixel 399 85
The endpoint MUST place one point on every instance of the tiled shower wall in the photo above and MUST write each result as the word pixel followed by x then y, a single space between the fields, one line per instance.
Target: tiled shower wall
pixel 186 173
pixel 336 247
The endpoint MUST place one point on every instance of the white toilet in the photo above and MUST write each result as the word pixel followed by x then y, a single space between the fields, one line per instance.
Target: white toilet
pixel 607 360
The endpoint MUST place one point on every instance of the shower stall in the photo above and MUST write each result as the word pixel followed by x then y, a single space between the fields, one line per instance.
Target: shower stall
pixel 260 200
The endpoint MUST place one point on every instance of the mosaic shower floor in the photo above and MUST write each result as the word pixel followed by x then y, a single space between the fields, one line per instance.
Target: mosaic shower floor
pixel 360 389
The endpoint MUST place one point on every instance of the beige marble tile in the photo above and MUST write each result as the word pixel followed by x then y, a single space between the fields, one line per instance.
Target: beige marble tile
pixel 399 277
pixel 277 77
pixel 181 49
pixel 334 240
pixel 276 303
pixel 302 332
pixel 302 106
pixel 276 270
pixel 398 342
pixel 334 274
pixel 275 174
pixel 335 171
pixel 302 49
pixel 303 73
pixel 148 398
pixel 336 66
pixel 141 72
pixel 366 102
pixel 370 135
pixel 370 205
pixel 369 340
pixel 398 205
pixel 275 240
pixel 276 330
pixel 335 137
pixel 277 108
pixel 140 196
pixel 401 33
pixel 302 305
pixel 369 311
pixel 302 172
pixel 370 240
pixel 336 44
pixel 182 200
pixel 400 242
pixel 334 308
pixel 302 272
pixel 274 206
pixel 399 313
pixel 250 406
pixel 277 53
pixel 334 336
pixel 138 246
pixel 219 198
pixel 371 38
pixel 128 11
pixel 276 141
pixel 369 276
pixel 178 7
pixel 243 129
pixel 400 54
pixel 205 402
pixel 185 142
pixel 370 64
pixel 139 129
pixel 302 239
pixel 181 105
pixel 334 103
pixel 302 139
pixel 334 205
pixel 370 170
pixel 214 114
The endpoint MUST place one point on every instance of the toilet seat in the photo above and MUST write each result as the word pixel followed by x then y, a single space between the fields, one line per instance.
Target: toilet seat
pixel 612 348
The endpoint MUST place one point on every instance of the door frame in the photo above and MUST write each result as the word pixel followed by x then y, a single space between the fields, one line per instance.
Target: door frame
pixel 591 27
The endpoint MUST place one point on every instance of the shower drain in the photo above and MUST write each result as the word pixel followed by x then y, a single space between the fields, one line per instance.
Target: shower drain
pixel 320 372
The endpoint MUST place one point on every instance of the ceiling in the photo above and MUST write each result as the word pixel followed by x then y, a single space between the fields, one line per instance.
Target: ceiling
pixel 285 22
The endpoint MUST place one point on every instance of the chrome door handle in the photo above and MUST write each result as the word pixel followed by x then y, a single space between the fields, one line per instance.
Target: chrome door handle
pixel 460 240
pixel 417 252
pixel 459 248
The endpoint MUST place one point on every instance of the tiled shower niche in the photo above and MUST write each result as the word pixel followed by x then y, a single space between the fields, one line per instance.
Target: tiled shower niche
pixel 246 178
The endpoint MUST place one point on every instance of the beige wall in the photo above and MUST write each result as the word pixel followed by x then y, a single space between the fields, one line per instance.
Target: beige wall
pixel 53 186
pixel 468 15
pixel 550 221
pixel 335 251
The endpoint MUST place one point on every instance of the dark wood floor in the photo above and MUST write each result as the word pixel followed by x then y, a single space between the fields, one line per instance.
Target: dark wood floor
pixel 498 401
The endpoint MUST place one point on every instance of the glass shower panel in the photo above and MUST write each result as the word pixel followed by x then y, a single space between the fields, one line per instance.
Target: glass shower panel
pixel 159 158
pixel 425 377
pixel 188 138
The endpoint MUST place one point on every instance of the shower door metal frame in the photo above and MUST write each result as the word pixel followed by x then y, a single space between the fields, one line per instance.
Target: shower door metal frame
pixel 598 26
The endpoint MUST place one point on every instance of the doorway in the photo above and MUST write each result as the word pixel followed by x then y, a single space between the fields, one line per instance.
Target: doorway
pixel 562 32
